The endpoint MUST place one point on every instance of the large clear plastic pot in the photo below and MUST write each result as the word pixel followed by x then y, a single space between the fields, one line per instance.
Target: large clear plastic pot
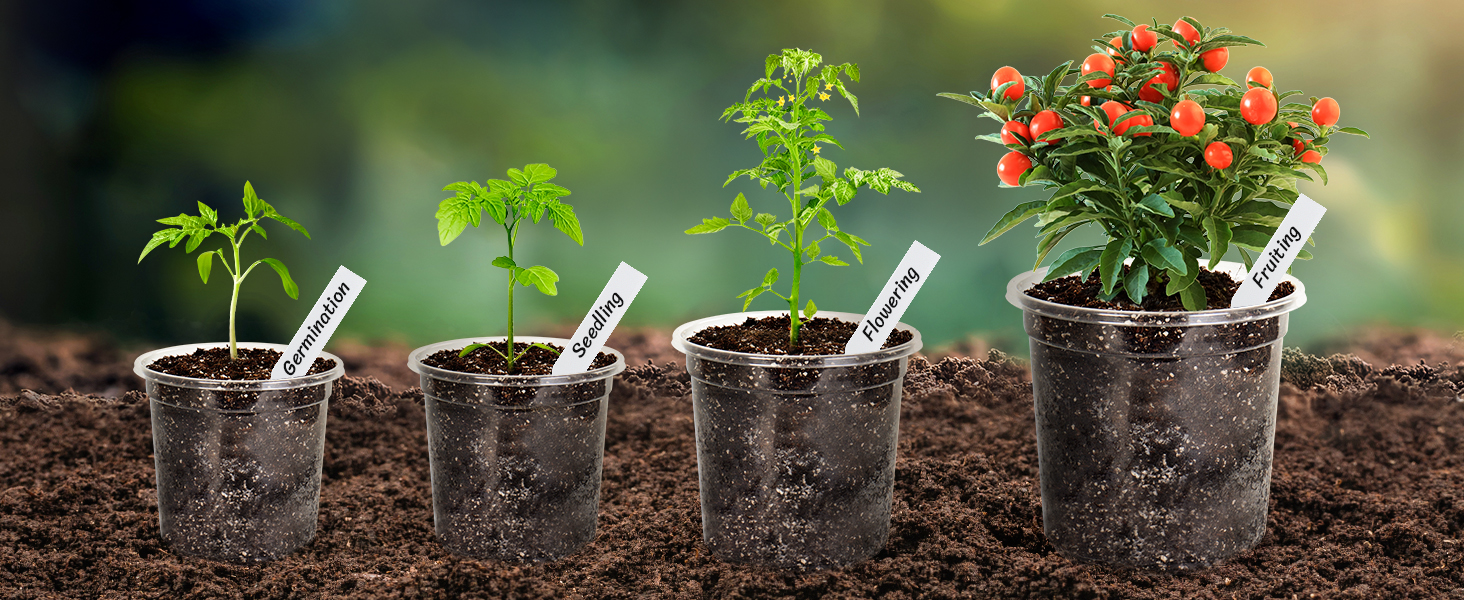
pixel 1154 429
pixel 238 462
pixel 796 454
pixel 516 459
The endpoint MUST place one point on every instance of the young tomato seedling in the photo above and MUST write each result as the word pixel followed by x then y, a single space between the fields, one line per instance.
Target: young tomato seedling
pixel 1170 158
pixel 526 194
pixel 196 229
pixel 789 131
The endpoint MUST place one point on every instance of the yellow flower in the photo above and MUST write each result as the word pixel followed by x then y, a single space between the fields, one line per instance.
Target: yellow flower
pixel 823 96
pixel 780 100
pixel 828 86
pixel 815 149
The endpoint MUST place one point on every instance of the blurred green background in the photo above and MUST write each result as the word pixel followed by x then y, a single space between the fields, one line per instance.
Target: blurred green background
pixel 351 116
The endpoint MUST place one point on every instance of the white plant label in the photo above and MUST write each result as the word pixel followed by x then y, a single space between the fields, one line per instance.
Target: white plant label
pixel 614 300
pixel 342 290
pixel 1283 248
pixel 892 301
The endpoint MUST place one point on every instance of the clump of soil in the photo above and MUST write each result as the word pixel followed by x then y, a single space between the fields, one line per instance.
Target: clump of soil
pixel 215 363
pixel 487 360
pixel 1366 499
pixel 769 335
pixel 1073 290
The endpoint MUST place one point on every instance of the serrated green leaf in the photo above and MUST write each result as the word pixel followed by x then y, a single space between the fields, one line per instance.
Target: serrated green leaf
pixel 711 225
pixel 750 295
pixel 210 215
pixel 740 210
pixel 158 238
pixel 538 173
pixel 292 290
pixel 826 220
pixel 770 278
pixel 540 277
pixel 765 219
pixel 833 260
pixel 562 215
pixel 289 223
pixel 197 237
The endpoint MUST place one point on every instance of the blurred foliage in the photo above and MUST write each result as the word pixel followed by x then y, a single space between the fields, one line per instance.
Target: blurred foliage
pixel 354 113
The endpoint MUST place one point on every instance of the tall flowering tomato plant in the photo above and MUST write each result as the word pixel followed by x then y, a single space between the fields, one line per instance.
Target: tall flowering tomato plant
pixel 1173 160
pixel 789 130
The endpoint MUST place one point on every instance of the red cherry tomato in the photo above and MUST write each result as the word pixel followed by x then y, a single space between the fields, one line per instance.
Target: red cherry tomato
pixel 1113 109
pixel 1215 59
pixel 1169 78
pixel 1144 39
pixel 1011 167
pixel 1004 75
pixel 1099 63
pixel 1260 75
pixel 1188 118
pixel 1297 145
pixel 1326 112
pixel 1044 122
pixel 1016 127
pixel 1218 155
pixel 1311 156
pixel 1187 31
pixel 1116 110
pixel 1258 106
pixel 1117 50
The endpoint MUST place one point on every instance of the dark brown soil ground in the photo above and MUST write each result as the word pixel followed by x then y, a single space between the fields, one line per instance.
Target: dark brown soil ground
pixel 1075 291
pixel 769 335
pixel 215 363
pixel 1367 494
pixel 489 359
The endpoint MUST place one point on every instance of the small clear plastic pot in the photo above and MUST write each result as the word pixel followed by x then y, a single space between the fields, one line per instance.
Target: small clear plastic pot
pixel 516 459
pixel 238 462
pixel 796 454
pixel 1154 429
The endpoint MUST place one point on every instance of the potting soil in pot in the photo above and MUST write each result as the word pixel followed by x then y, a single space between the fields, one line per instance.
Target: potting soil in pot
pixel 1366 495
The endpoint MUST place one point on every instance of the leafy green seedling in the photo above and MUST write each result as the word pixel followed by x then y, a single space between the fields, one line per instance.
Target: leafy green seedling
pixel 526 194
pixel 196 229
pixel 788 132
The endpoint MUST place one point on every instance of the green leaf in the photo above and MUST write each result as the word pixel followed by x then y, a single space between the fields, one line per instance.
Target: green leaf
pixel 766 219
pixel 158 238
pixel 1136 283
pixel 812 250
pixel 562 215
pixel 288 223
pixel 256 229
pixel 1110 264
pixel 539 172
pixel 966 98
pixel 826 220
pixel 518 178
pixel 750 294
pixel 453 216
pixel 290 288
pixel 833 260
pixel 1193 298
pixel 1176 200
pixel 826 169
pixel 1013 218
pixel 1253 237
pixel 1162 255
pixel 197 237
pixel 1080 261
pixel 1353 131
pixel 504 262
pixel 810 310
pixel 1156 204
pixel 252 204
pixel 1119 19
pixel 1218 230
pixel 740 210
pixel 853 242
pixel 208 213
pixel 711 225
pixel 541 277
pixel 205 264
pixel 770 278
pixel 471 347
pixel 1178 281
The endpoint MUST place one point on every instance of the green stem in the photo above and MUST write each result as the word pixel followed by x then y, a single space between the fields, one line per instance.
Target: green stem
pixel 796 178
pixel 238 277
pixel 509 352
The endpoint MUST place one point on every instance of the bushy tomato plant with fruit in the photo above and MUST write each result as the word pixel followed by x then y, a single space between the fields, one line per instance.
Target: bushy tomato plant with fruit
pixel 527 194
pixel 196 229
pixel 789 129
pixel 1173 160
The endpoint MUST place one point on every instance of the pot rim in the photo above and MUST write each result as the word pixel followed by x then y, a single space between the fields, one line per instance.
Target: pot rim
pixel 414 362
pixel 681 340
pixel 1016 295
pixel 140 367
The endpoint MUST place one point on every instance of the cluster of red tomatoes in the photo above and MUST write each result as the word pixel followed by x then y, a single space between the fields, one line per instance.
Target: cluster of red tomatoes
pixel 1258 106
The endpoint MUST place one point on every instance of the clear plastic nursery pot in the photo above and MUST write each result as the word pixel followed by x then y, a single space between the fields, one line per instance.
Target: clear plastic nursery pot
pixel 1154 429
pixel 516 459
pixel 238 462
pixel 796 454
